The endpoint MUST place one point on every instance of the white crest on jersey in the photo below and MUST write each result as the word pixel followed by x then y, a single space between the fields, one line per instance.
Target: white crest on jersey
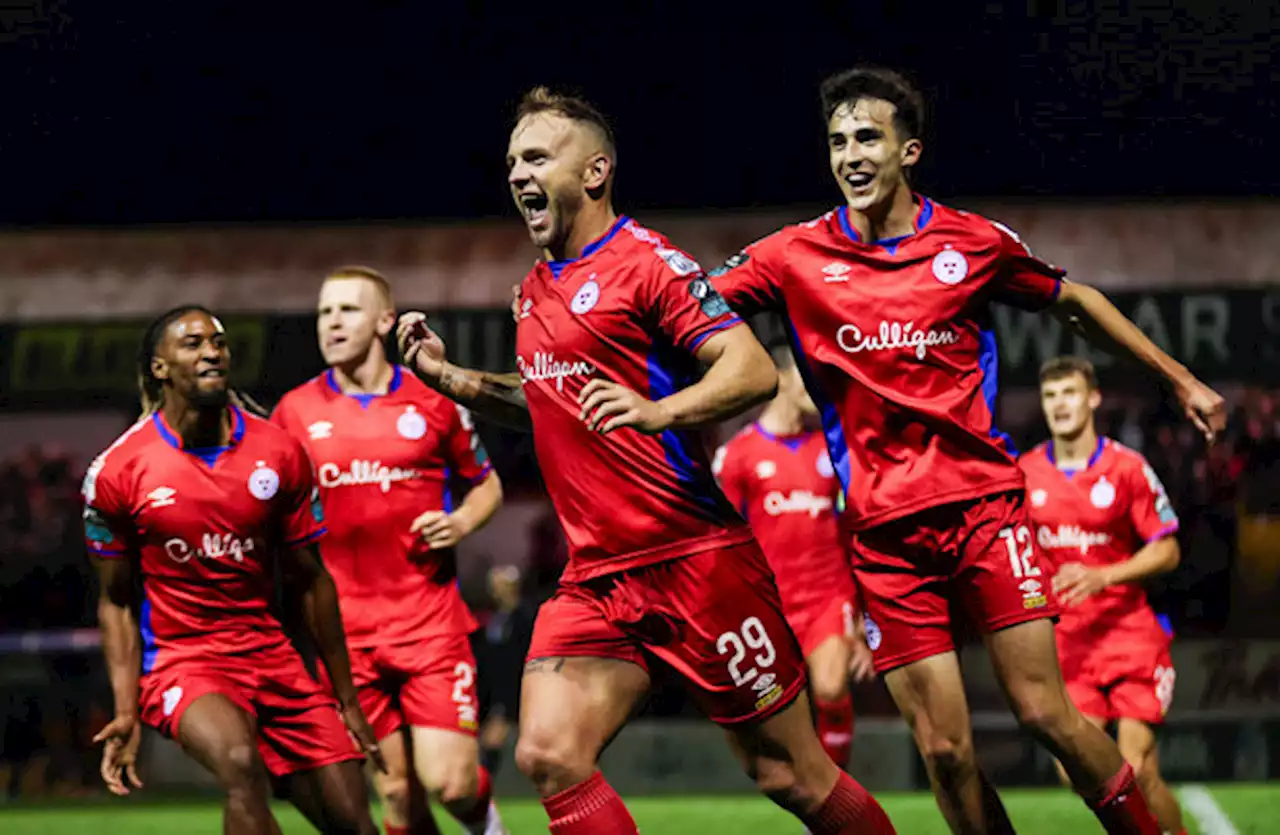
pixel 950 266
pixel 545 367
pixel 1103 494
pixel 824 465
pixel 893 336
pixel 360 472
pixel 411 425
pixel 766 469
pixel 586 298
pixel 1039 497
pixel 798 501
pixel 1071 536
pixel 264 482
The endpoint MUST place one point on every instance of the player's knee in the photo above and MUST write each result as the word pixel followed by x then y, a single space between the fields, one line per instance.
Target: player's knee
pixel 949 756
pixel 827 686
pixel 454 786
pixel 552 763
pixel 240 767
pixel 394 789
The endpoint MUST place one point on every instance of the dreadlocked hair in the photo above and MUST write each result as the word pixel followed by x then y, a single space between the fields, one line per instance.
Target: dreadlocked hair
pixel 151 389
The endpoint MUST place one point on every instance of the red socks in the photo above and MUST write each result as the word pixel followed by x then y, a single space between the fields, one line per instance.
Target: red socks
pixel 1121 808
pixel 849 810
pixel 426 826
pixel 593 808
pixel 835 728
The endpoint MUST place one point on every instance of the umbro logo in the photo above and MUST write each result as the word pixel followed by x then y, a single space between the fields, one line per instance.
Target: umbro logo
pixel 526 308
pixel 162 496
pixel 320 430
pixel 835 271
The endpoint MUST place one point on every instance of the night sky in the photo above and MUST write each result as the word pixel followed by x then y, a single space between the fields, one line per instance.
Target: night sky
pixel 142 112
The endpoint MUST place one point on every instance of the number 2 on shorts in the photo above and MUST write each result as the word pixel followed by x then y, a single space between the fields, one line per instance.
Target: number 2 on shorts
pixel 463 677
pixel 751 635
pixel 1018 541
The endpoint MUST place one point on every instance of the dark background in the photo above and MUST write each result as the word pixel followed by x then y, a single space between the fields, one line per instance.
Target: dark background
pixel 144 112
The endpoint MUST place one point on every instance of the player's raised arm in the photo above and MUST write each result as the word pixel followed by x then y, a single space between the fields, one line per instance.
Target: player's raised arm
pixel 1093 314
pixel 497 397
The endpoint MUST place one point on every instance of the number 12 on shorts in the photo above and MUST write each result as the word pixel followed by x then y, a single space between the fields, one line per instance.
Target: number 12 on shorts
pixel 1018 542
pixel 750 635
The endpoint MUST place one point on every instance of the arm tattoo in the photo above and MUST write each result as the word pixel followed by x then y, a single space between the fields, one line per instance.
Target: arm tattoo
pixel 544 665
pixel 499 397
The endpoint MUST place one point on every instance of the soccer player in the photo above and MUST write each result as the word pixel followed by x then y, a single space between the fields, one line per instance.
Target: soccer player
pixel 195 505
pixel 778 474
pixel 1104 521
pixel 385 446
pixel 611 327
pixel 887 299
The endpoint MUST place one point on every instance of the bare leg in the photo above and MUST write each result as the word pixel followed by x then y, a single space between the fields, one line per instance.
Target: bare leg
pixel 828 666
pixel 1138 746
pixel 1062 772
pixel 448 764
pixel 404 800
pixel 570 708
pixel 930 696
pixel 333 798
pixel 222 738
pixel 1025 659
pixel 783 756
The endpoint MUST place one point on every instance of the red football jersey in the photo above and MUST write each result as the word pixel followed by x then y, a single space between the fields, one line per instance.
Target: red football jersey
pixel 786 488
pixel 896 344
pixel 1098 516
pixel 382 461
pixel 205 526
pixel 632 310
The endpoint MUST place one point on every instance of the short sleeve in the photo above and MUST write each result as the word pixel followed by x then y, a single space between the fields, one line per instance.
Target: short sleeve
pixel 464 451
pixel 749 281
pixel 1150 511
pixel 108 525
pixel 726 467
pixel 686 305
pixel 1022 280
pixel 282 416
pixel 301 512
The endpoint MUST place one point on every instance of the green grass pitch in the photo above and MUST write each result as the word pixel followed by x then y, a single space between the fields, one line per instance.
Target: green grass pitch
pixel 1252 810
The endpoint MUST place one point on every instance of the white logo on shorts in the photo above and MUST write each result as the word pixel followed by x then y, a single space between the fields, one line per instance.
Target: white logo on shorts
pixel 171 698
pixel 1165 678
pixel 263 482
pixel 873 632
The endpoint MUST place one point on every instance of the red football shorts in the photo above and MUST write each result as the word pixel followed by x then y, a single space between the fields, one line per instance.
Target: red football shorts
pixel 1113 677
pixel 813 625
pixel 978 555
pixel 429 683
pixel 714 617
pixel 299 725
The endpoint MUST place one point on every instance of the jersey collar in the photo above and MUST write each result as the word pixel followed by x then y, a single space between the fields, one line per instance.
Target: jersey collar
pixel 923 215
pixel 591 248
pixel 174 440
pixel 791 442
pixel 362 398
pixel 1093 459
